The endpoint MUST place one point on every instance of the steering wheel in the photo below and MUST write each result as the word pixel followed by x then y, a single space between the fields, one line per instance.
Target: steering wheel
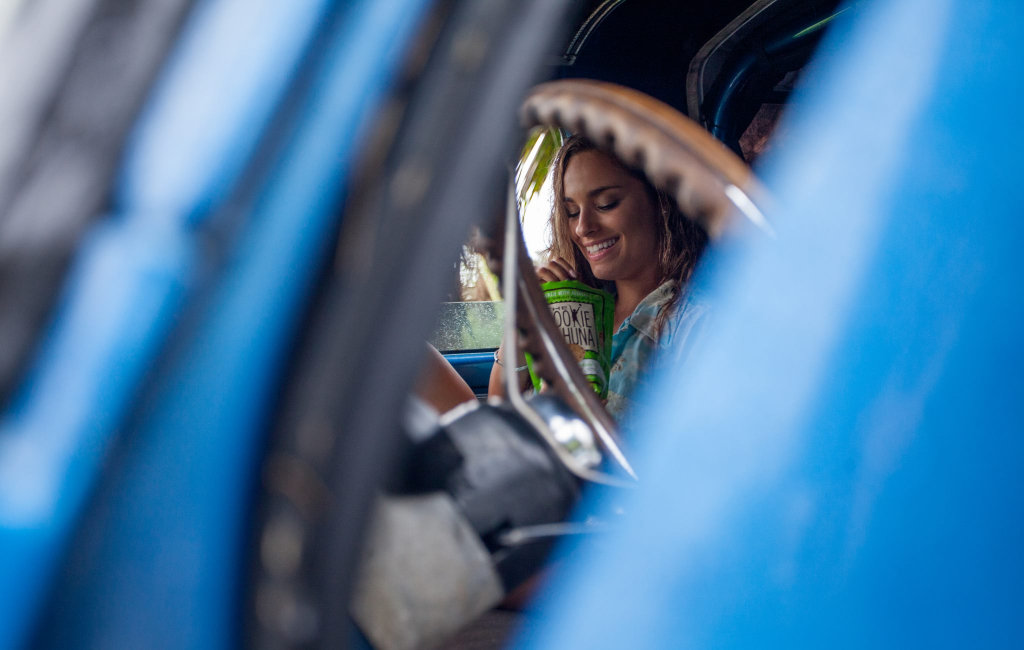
pixel 709 182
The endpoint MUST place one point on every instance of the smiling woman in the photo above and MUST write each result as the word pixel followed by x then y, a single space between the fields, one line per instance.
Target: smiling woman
pixel 611 228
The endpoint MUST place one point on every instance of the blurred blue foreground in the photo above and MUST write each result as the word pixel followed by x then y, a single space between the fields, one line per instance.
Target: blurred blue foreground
pixel 229 257
pixel 842 467
pixel 839 467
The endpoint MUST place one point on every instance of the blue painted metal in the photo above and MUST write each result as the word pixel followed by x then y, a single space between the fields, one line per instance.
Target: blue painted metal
pixel 130 279
pixel 119 305
pixel 474 367
pixel 841 465
pixel 168 544
pixel 470 358
pixel 165 544
pixel 226 77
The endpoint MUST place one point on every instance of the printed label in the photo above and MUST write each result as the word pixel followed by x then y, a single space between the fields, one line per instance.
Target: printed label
pixel 584 316
pixel 576 320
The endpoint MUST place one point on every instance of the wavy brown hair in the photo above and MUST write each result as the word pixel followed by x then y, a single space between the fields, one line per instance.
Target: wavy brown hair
pixel 680 240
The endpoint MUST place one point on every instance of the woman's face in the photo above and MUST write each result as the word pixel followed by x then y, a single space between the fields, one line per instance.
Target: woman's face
pixel 611 218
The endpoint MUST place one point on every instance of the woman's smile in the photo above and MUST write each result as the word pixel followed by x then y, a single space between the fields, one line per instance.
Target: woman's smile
pixel 599 250
pixel 611 219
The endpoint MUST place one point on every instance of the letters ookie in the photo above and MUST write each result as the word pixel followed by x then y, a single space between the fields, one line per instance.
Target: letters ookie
pixel 576 320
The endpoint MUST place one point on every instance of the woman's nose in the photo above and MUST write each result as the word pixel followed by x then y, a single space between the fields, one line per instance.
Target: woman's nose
pixel 586 223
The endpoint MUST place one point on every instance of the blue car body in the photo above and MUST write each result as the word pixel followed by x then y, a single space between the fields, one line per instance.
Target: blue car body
pixel 170 547
pixel 840 466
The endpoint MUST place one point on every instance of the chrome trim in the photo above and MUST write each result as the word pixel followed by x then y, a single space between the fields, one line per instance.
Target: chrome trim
pixel 589 25
pixel 695 75
pixel 512 282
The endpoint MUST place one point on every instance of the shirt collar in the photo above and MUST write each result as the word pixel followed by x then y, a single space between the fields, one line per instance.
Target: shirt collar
pixel 643 317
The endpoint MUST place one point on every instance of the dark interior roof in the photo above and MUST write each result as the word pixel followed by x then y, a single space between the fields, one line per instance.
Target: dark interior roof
pixel 648 44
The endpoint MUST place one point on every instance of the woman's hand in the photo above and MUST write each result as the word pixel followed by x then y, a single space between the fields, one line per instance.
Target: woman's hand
pixel 557 270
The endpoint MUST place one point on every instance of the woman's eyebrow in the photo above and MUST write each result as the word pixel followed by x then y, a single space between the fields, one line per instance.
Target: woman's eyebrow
pixel 596 191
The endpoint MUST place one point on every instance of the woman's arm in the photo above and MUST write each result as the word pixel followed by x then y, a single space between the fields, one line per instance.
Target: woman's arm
pixel 496 384
pixel 440 385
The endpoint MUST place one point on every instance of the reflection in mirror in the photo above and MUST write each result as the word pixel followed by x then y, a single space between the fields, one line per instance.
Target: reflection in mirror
pixel 472 316
pixel 534 188
pixel 605 225
pixel 476 281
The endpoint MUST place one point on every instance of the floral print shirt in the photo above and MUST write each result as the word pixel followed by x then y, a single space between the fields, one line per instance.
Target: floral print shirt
pixel 636 348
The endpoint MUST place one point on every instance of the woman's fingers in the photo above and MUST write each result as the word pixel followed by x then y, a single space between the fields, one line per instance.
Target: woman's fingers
pixel 566 268
pixel 555 271
pixel 547 275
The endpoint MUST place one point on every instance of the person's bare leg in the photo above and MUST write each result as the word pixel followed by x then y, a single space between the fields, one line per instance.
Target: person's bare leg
pixel 439 385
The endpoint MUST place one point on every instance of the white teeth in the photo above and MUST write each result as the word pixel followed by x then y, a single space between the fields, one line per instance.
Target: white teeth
pixel 596 248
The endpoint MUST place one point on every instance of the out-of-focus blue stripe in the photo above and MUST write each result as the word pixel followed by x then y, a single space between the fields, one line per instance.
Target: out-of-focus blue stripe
pixel 227 75
pixel 126 287
pixel 119 304
pixel 165 556
pixel 840 466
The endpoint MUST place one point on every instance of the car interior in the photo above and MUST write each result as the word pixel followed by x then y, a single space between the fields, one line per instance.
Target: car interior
pixel 317 435
pixel 719 73
pixel 730 67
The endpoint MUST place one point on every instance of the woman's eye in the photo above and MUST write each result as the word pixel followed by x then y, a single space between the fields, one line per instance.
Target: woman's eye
pixel 608 206
pixel 572 215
